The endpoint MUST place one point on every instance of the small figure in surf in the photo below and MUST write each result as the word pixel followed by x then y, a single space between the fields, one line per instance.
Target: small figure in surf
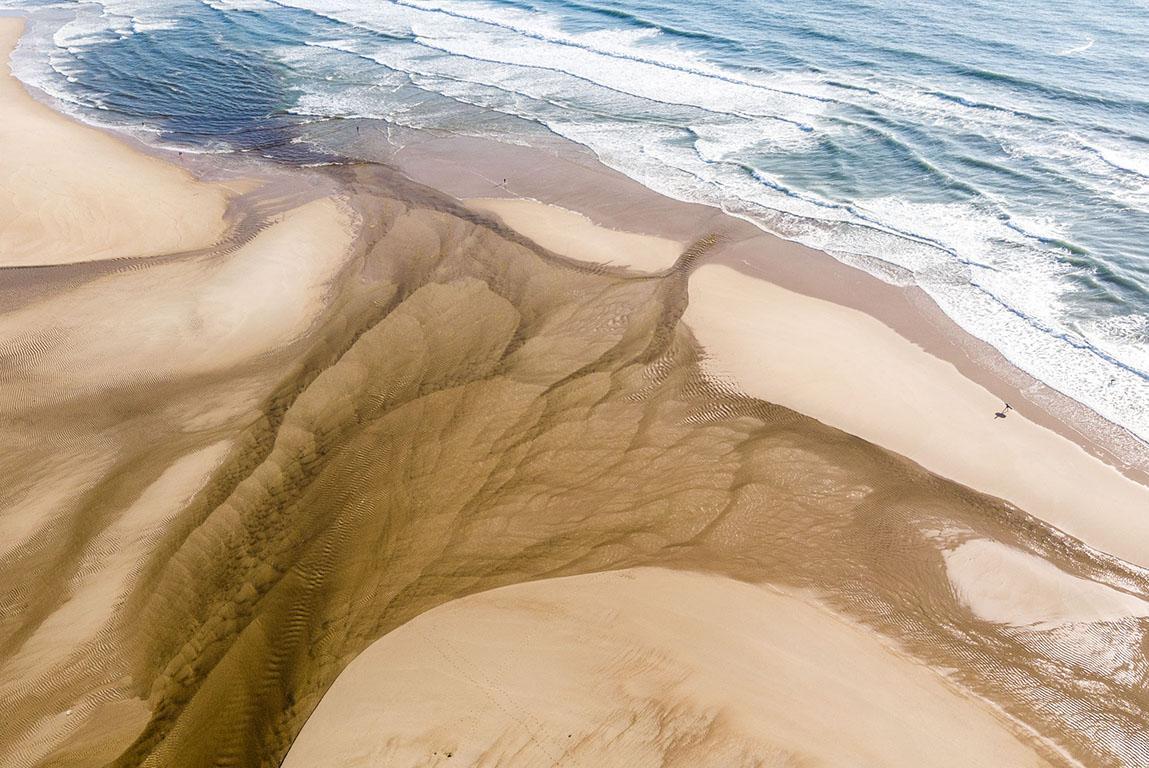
pixel 1003 412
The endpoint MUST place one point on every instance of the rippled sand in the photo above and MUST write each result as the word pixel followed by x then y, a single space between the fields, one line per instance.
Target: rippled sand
pixel 231 471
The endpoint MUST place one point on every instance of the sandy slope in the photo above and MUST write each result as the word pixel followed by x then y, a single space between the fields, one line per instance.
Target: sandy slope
pixel 73 193
pixel 644 667
pixel 850 371
pixel 96 361
pixel 103 364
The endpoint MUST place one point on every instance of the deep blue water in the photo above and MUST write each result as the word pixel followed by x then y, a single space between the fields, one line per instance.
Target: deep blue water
pixel 995 153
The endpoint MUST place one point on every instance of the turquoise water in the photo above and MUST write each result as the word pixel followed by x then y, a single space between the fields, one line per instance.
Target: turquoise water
pixel 996 154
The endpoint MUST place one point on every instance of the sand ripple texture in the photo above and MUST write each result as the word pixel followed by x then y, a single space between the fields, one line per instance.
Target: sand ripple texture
pixel 229 472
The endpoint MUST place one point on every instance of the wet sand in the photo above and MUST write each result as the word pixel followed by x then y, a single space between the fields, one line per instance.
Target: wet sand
pixel 232 470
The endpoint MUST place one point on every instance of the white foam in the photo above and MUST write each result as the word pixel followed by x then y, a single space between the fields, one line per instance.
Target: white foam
pixel 1089 41
pixel 1125 160
pixel 615 61
pixel 239 5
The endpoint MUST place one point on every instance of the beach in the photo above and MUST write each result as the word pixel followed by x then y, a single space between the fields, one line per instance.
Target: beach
pixel 492 456
pixel 65 195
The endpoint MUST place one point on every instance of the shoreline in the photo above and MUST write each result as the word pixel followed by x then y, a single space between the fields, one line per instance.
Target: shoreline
pixel 908 311
pixel 76 193
pixel 609 209
pixel 1062 474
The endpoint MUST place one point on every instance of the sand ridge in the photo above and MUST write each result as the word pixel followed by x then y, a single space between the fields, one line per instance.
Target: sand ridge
pixel 573 234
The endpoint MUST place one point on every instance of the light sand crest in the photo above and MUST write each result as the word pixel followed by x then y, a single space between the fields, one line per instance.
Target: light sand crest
pixel 644 667
pixel 179 318
pixel 573 234
pixel 1008 586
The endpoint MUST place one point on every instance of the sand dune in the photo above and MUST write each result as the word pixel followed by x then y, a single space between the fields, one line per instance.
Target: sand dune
pixel 644 667
pixel 73 193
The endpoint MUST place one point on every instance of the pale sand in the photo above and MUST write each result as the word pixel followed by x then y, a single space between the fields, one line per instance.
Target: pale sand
pixel 107 564
pixel 573 234
pixel 644 667
pixel 186 317
pixel 852 372
pixel 108 570
pixel 1007 586
pixel 73 193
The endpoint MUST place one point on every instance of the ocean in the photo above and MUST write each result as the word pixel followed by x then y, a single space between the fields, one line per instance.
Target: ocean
pixel 996 153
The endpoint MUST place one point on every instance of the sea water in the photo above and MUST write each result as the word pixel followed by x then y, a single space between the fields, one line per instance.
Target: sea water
pixel 994 153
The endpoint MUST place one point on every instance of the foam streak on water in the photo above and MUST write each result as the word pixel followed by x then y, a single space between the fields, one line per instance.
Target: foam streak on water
pixel 998 158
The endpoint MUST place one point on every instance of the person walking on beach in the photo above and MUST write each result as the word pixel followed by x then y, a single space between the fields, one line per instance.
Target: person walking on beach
pixel 1002 413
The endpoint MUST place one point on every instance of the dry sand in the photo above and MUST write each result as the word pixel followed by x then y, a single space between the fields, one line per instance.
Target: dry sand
pixel 645 667
pixel 573 234
pixel 1008 586
pixel 73 193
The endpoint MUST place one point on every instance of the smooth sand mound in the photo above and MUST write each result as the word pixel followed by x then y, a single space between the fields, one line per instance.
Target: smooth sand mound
pixel 645 667
pixel 179 318
pixel 850 371
pixel 73 193
pixel 573 234
pixel 1008 586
